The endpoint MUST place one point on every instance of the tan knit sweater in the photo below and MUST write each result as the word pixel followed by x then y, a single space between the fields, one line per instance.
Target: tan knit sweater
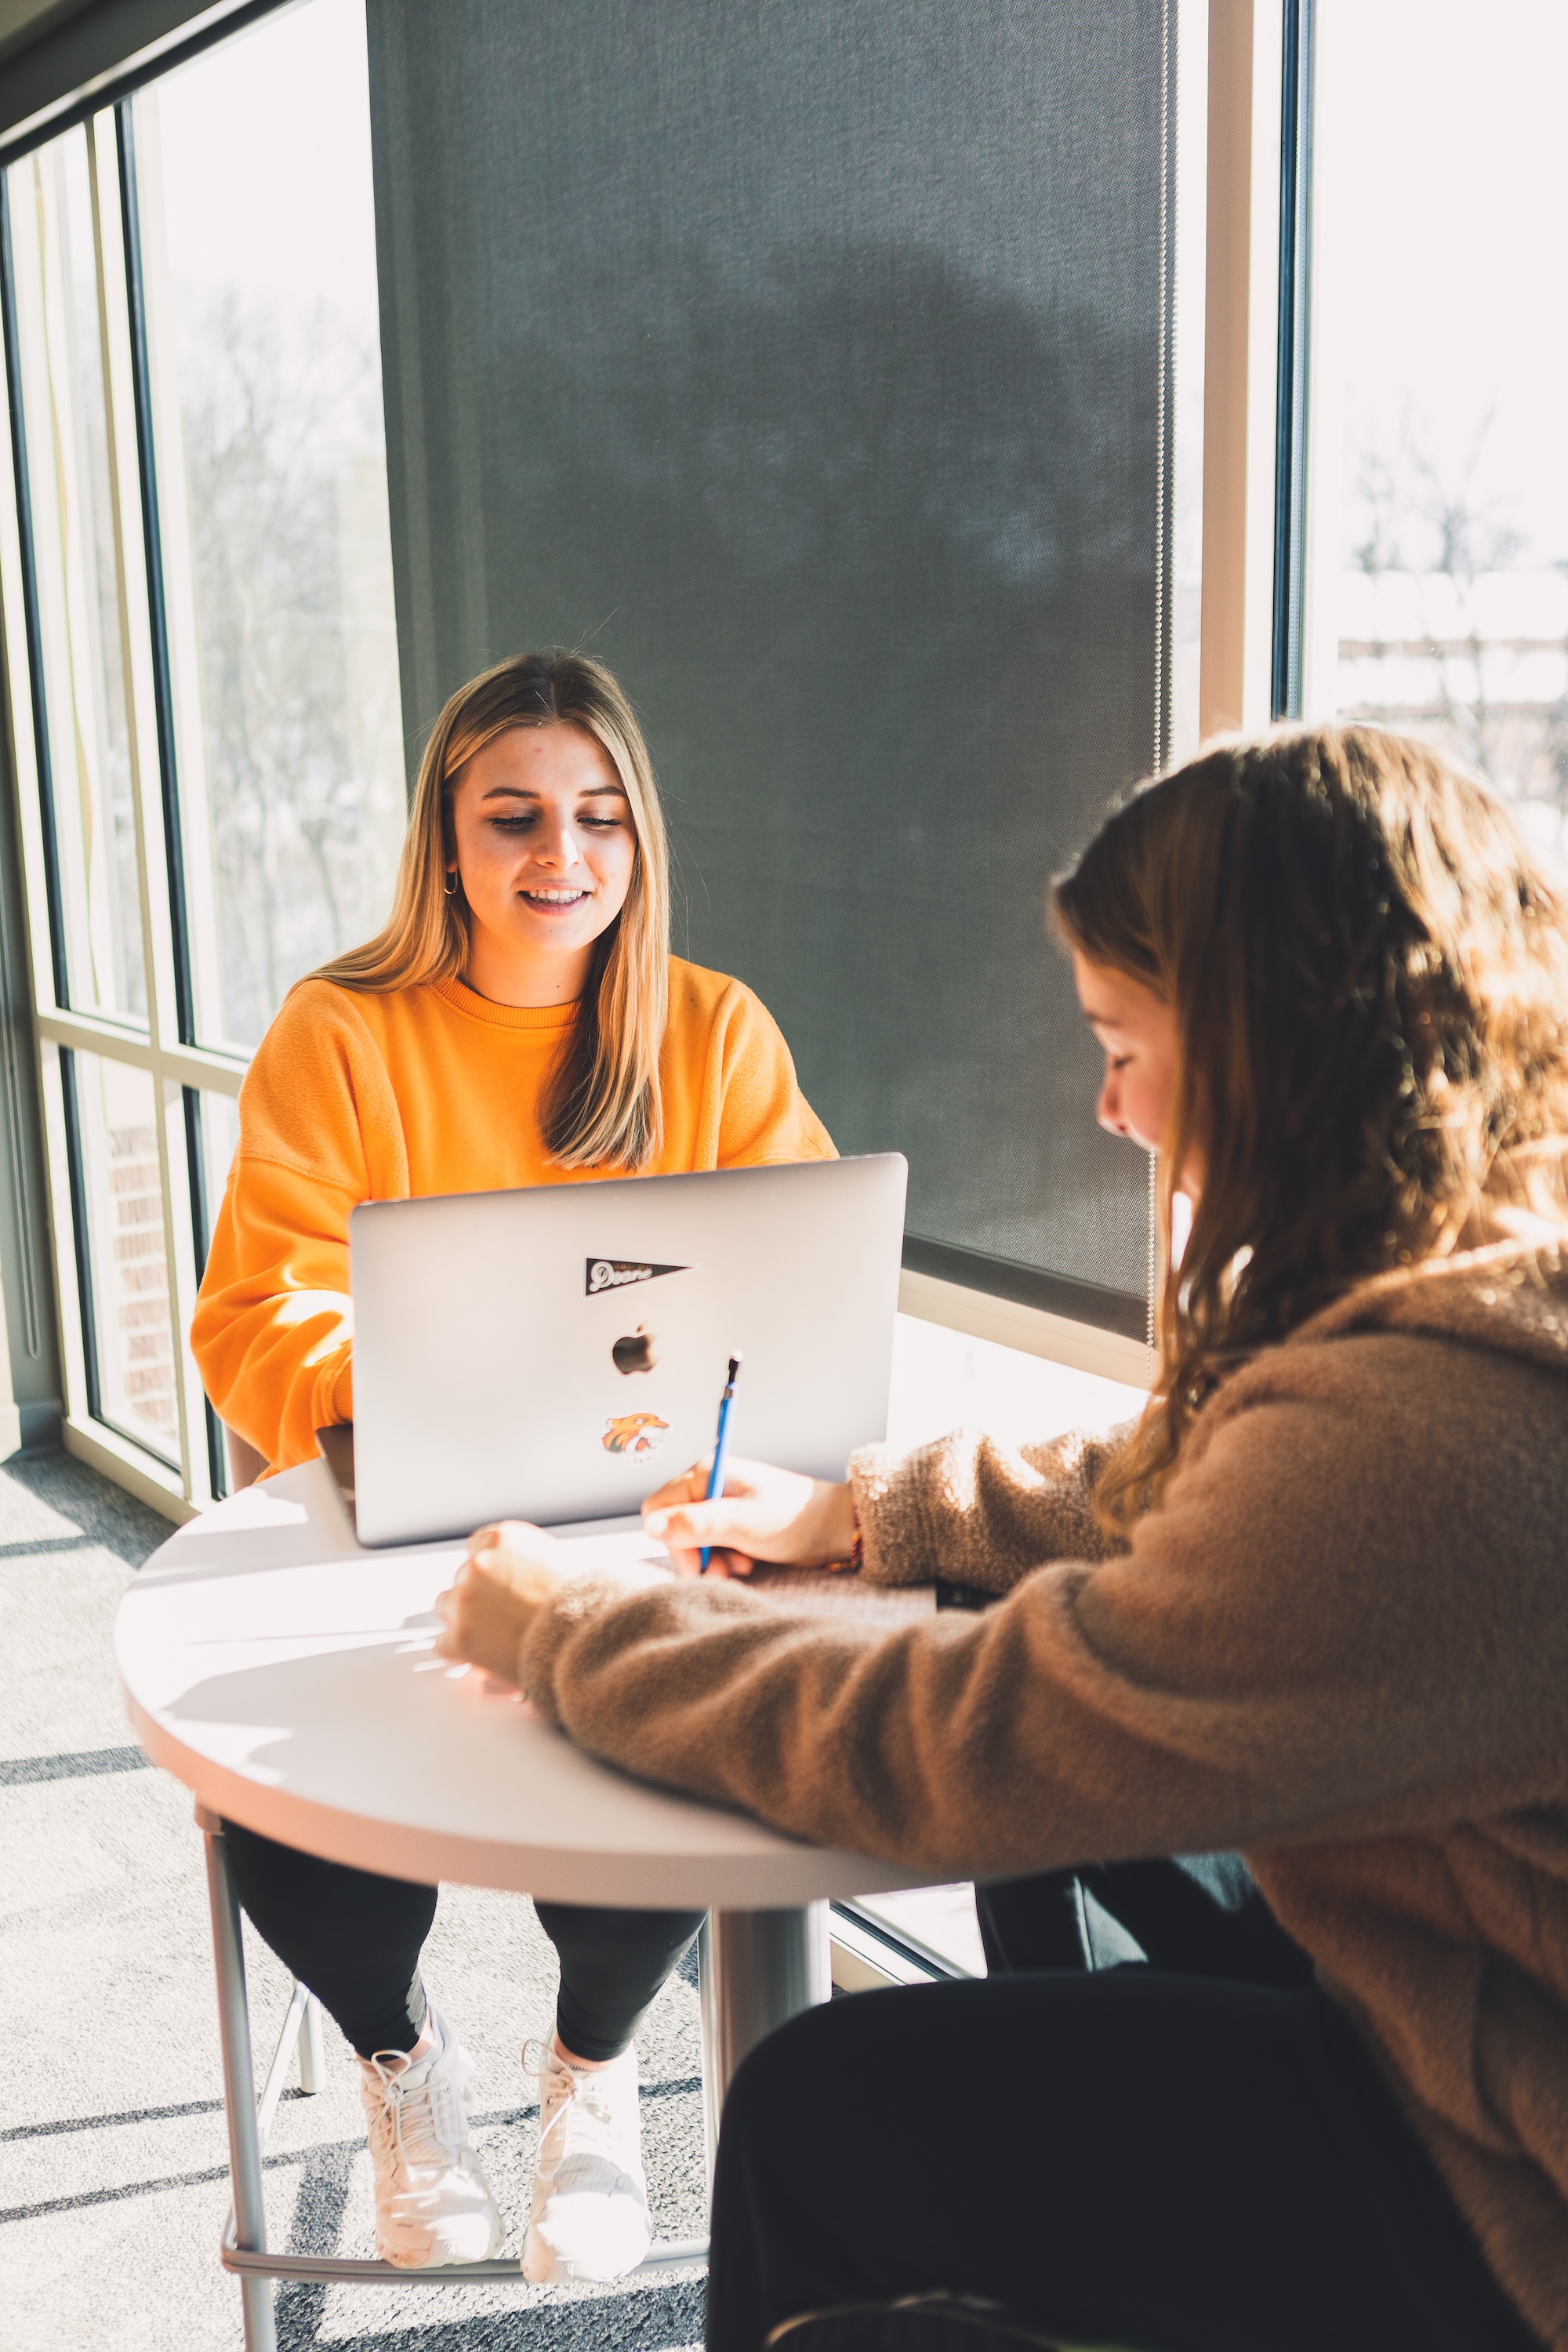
pixel 1341 1646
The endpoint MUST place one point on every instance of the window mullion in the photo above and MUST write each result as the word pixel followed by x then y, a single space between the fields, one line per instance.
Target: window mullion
pixel 130 543
pixel 131 577
pixel 181 1020
pixel 24 688
pixel 184 1275
pixel 188 1065
pixel 64 1235
pixel 22 596
pixel 1290 453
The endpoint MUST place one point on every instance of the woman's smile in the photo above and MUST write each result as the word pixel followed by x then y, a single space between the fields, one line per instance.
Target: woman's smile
pixel 554 902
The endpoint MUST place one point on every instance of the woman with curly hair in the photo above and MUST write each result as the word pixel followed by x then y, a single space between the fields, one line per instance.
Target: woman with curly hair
pixel 1307 1622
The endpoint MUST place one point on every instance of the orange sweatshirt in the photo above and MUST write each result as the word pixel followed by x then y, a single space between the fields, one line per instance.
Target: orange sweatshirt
pixel 358 1098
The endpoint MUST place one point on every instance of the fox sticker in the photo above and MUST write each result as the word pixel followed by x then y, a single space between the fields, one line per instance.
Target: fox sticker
pixel 639 1433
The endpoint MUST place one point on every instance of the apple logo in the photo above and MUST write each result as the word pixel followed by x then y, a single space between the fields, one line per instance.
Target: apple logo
pixel 635 1352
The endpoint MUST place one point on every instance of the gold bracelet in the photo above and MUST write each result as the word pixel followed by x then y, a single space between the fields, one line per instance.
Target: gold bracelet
pixel 856 1559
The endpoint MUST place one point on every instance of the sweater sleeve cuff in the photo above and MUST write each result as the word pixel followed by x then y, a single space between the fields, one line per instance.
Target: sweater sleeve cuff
pixel 551 1628
pixel 896 1543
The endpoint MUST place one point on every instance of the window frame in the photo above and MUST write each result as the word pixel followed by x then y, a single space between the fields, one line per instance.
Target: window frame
pixel 1292 397
pixel 181 1071
pixel 188 1077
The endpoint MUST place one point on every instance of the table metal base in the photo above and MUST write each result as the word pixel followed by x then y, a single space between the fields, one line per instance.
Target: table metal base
pixel 758 1968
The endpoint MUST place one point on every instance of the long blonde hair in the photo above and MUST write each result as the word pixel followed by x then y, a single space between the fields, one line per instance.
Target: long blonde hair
pixel 1368 967
pixel 602 1106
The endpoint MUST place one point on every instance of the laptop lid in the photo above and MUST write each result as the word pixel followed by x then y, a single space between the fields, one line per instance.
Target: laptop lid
pixel 554 1354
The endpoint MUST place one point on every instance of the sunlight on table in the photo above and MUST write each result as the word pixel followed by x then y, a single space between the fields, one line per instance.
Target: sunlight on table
pixel 942 1379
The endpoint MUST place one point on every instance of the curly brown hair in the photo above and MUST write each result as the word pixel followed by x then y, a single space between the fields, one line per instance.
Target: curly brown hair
pixel 1368 967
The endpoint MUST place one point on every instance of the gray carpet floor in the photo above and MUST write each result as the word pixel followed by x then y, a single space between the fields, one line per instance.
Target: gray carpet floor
pixel 112 2180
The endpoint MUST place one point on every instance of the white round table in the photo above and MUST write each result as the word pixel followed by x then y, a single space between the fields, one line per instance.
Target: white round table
pixel 288 1677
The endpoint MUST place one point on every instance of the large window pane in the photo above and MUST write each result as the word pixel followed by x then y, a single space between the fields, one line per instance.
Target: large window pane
pixel 257 239
pixel 87 753
pixel 1439 580
pixel 120 1212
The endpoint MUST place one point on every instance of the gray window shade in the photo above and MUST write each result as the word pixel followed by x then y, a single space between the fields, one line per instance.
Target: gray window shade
pixel 802 361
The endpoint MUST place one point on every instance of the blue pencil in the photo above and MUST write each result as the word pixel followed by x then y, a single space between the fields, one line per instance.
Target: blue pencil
pixel 720 1444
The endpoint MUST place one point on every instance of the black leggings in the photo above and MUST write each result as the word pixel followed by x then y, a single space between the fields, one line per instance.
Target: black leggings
pixel 355 1940
pixel 1193 2155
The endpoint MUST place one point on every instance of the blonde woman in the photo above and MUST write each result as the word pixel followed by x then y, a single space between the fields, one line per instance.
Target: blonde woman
pixel 518 1021
pixel 1313 1608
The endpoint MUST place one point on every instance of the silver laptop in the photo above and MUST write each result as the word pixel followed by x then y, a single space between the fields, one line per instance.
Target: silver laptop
pixel 556 1353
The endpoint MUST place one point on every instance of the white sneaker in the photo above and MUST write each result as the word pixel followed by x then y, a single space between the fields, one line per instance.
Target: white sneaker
pixel 433 2203
pixel 589 2217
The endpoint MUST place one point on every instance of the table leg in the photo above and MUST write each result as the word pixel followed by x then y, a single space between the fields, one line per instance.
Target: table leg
pixel 238 2085
pixel 758 1968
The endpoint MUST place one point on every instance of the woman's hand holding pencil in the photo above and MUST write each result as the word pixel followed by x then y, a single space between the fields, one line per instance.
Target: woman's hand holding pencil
pixel 763 1514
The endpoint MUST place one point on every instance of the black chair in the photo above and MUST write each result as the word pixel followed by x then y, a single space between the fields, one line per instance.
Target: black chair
pixel 924 2323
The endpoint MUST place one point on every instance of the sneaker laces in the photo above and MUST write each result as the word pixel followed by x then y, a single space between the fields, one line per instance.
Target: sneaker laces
pixel 425 2119
pixel 567 2094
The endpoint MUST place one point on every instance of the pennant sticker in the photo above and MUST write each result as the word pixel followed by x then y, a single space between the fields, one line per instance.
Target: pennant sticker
pixel 615 1273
